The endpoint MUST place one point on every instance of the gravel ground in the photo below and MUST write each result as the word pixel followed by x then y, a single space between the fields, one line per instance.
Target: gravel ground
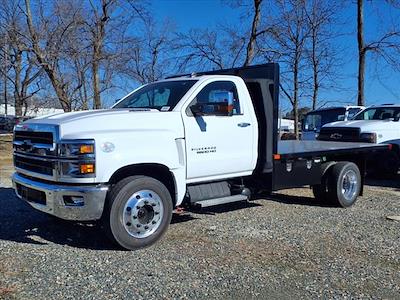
pixel 284 246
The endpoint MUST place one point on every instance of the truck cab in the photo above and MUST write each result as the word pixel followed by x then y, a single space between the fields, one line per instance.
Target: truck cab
pixel 194 140
pixel 314 120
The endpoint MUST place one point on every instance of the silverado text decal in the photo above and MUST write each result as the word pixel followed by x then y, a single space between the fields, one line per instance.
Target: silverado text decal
pixel 204 150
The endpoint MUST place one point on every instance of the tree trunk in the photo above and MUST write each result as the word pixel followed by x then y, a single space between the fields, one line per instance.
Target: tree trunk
pixel 252 41
pixel 295 97
pixel 361 52
pixel 5 63
pixel 96 81
pixel 18 101
pixel 315 91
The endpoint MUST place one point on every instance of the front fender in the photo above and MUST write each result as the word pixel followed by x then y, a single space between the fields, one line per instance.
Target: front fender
pixel 162 148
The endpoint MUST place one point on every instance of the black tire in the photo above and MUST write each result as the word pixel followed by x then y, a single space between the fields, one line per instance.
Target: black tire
pixel 117 199
pixel 388 165
pixel 336 181
pixel 320 192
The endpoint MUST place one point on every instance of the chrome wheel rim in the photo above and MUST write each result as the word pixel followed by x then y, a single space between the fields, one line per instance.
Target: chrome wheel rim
pixel 349 185
pixel 143 213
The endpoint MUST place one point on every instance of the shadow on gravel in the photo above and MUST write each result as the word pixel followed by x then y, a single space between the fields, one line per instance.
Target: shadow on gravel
pixel 297 200
pixel 212 210
pixel 19 222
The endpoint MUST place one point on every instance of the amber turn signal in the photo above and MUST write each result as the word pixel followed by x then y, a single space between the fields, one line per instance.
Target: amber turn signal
pixel 86 149
pixel 86 168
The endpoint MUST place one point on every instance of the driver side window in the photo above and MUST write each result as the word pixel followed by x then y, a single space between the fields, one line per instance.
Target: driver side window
pixel 221 93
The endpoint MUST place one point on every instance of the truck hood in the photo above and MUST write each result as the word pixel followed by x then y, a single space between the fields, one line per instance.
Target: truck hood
pixel 364 125
pixel 87 124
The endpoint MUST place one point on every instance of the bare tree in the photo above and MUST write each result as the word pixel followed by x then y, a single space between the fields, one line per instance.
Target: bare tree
pixel 320 49
pixel 97 28
pixel 47 45
pixel 387 46
pixel 254 33
pixel 291 33
pixel 22 72
pixel 362 51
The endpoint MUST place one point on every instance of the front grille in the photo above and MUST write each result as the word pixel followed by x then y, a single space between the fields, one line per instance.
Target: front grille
pixel 34 137
pixel 339 134
pixel 34 165
pixel 31 195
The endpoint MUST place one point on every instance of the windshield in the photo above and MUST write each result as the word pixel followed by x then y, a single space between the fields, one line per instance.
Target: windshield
pixel 315 120
pixel 378 113
pixel 351 112
pixel 159 95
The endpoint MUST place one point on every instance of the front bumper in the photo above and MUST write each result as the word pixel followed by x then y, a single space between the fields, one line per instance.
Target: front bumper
pixel 55 198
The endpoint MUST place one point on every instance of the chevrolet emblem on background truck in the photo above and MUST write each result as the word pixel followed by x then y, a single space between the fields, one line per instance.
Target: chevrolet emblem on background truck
pixel 335 136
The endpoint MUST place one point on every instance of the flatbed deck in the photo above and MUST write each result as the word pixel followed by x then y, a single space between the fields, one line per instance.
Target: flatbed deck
pixel 295 149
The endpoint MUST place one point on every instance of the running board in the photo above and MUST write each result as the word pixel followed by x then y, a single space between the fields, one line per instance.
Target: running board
pixel 218 201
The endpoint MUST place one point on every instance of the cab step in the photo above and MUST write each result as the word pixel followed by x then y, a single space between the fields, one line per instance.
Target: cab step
pixel 219 201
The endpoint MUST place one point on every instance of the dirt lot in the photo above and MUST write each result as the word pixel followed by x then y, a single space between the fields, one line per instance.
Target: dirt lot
pixel 284 246
pixel 5 158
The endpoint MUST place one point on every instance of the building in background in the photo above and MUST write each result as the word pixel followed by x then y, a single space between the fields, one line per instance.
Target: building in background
pixel 31 112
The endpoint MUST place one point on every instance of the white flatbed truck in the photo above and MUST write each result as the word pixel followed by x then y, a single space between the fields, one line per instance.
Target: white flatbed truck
pixel 193 140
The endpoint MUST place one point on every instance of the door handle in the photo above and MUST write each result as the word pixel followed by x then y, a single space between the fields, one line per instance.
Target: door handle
pixel 244 124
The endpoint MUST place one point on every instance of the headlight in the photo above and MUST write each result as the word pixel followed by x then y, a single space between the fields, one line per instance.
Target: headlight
pixel 76 148
pixel 77 158
pixel 368 137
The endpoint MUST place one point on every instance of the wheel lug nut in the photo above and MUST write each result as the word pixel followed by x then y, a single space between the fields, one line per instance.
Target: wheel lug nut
pixel 138 207
pixel 146 227
pixel 153 204
pixel 146 202
pixel 156 212
pixel 129 208
pixel 135 217
pixel 128 224
pixel 153 222
pixel 138 225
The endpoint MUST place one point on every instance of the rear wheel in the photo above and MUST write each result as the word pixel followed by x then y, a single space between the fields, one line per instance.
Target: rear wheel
pixel 138 212
pixel 344 184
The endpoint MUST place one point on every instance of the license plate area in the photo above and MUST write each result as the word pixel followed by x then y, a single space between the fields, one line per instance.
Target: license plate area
pixel 31 195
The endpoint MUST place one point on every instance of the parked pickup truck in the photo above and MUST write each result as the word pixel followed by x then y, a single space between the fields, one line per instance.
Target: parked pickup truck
pixel 314 120
pixel 375 125
pixel 195 140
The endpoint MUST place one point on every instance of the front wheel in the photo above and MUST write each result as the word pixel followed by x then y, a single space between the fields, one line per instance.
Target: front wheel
pixel 138 212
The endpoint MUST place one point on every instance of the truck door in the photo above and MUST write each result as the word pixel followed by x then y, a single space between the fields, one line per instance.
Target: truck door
pixel 219 145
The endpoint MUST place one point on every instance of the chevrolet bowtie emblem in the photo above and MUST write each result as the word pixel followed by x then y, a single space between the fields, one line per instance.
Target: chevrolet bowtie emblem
pixel 335 136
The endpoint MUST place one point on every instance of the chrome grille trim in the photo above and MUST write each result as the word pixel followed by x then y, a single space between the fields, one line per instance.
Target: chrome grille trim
pixel 33 159
pixel 28 144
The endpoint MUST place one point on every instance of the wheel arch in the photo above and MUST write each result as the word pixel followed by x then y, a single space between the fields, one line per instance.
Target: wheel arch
pixel 154 170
